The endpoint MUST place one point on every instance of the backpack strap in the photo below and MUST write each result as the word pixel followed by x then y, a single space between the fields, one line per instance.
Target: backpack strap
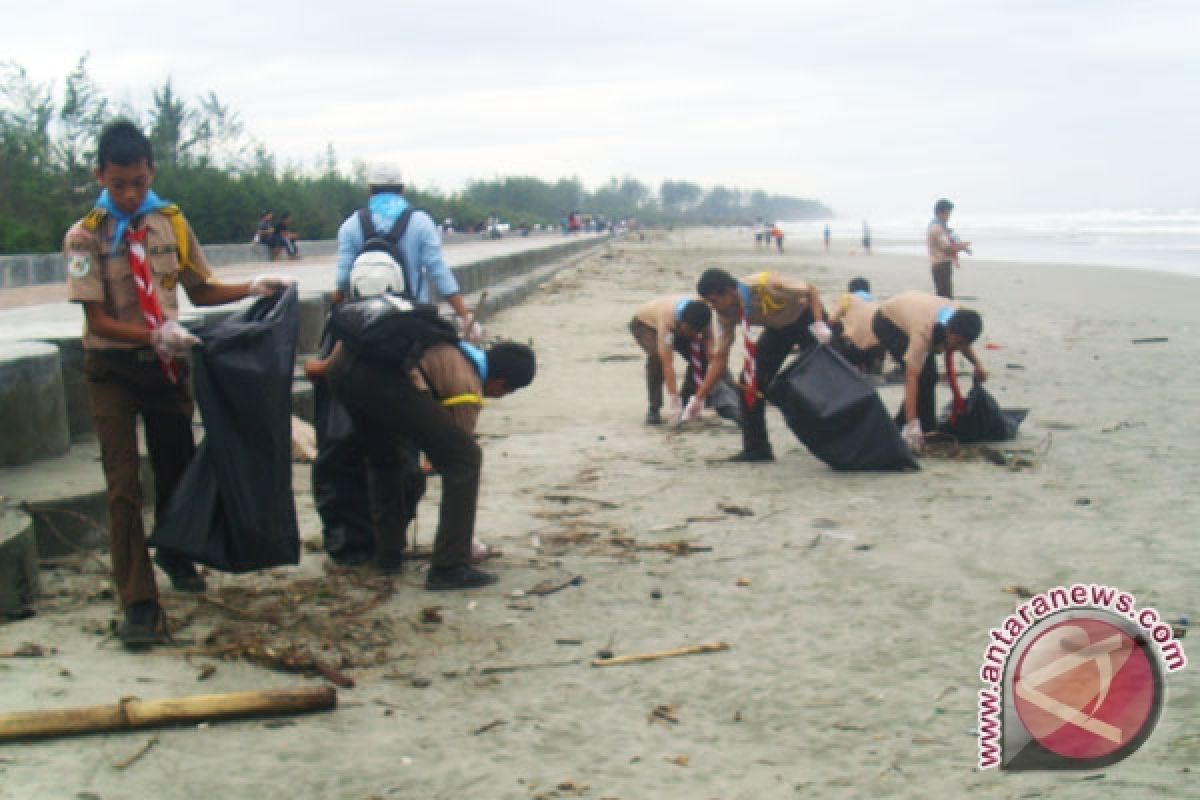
pixel 368 224
pixel 400 226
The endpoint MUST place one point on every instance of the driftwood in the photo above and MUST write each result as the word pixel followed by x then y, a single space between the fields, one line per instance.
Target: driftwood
pixel 636 658
pixel 132 713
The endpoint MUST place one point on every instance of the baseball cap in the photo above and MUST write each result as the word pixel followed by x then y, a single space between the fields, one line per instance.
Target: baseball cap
pixel 384 174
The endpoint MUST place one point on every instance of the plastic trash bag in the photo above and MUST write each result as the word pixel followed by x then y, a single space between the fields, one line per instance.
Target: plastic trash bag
pixel 234 509
pixel 837 414
pixel 982 420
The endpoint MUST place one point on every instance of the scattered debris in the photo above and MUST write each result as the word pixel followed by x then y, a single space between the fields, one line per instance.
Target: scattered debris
pixel 680 761
pixel 636 658
pixel 28 650
pixel 129 762
pixel 666 713
pixel 1149 340
pixel 522 667
pixel 550 587
pixel 1019 591
pixel 576 498
pixel 482 729
pixel 743 581
pixel 737 511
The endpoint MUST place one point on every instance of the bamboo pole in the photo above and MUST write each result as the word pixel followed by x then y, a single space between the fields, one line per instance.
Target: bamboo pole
pixel 635 658
pixel 132 713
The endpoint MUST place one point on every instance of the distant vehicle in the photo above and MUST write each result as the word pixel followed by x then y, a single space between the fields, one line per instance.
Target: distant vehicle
pixel 495 229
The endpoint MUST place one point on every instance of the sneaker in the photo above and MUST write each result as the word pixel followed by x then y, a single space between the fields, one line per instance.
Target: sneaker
pixel 463 576
pixel 181 571
pixel 752 456
pixel 653 417
pixel 388 564
pixel 141 624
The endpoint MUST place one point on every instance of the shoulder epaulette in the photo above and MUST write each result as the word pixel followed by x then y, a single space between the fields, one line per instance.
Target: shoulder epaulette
pixel 179 226
pixel 93 219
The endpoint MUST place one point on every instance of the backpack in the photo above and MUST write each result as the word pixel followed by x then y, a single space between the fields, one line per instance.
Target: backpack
pixel 380 265
pixel 390 330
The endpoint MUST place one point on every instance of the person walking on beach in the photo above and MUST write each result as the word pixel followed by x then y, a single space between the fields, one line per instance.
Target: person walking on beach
pixel 777 233
pixel 124 261
pixel 790 314
pixel 866 238
pixel 912 326
pixel 678 324
pixel 827 236
pixel 944 248
pixel 434 406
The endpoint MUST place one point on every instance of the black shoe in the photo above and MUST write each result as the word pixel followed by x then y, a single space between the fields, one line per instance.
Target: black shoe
pixel 351 558
pixel 181 571
pixel 653 417
pixel 141 624
pixel 389 564
pixel 460 577
pixel 752 456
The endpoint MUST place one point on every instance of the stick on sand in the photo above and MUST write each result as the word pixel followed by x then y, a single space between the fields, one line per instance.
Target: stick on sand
pixel 635 658
pixel 131 713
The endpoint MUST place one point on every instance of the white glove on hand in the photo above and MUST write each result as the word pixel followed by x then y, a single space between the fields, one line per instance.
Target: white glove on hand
pixel 263 285
pixel 171 340
pixel 694 407
pixel 820 330
pixel 913 436
pixel 472 332
pixel 674 409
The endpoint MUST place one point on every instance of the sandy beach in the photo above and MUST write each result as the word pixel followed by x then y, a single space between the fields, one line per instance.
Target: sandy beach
pixel 856 606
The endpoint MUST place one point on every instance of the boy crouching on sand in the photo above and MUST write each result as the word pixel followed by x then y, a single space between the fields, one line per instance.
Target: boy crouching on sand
pixel 124 260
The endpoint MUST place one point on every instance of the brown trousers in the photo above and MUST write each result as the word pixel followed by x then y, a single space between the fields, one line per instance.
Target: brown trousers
pixel 943 279
pixel 123 384
pixel 647 337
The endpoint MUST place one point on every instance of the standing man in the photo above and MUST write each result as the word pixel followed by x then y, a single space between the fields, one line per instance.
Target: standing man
pixel 790 314
pixel 827 237
pixel 421 246
pixel 913 326
pixel 125 260
pixel 944 248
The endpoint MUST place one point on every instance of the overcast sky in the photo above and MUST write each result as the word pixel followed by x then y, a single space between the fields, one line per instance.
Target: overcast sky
pixel 873 107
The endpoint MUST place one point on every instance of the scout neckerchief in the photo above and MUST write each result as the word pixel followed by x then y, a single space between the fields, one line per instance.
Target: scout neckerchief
pixel 749 379
pixel 695 345
pixel 478 360
pixel 959 405
pixel 143 280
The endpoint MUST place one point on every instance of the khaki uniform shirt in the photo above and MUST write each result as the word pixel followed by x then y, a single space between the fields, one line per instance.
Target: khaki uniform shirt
pixel 915 313
pixel 776 302
pixel 857 316
pixel 937 241
pixel 98 272
pixel 659 314
pixel 454 382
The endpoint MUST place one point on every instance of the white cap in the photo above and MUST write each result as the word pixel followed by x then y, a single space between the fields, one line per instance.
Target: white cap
pixel 384 174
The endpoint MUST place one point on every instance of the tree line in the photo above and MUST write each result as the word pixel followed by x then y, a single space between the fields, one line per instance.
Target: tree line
pixel 224 178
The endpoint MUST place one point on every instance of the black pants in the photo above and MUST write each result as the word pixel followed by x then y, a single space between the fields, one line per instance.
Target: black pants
pixel 390 414
pixel 896 343
pixel 773 347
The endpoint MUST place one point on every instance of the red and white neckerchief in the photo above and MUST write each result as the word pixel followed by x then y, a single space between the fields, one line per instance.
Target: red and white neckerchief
pixel 960 404
pixel 749 377
pixel 696 358
pixel 147 297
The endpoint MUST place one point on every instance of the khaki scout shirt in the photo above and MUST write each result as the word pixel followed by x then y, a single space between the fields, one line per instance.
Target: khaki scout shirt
pixel 915 313
pixel 454 381
pixel 937 241
pixel 98 272
pixel 776 302
pixel 857 316
pixel 659 314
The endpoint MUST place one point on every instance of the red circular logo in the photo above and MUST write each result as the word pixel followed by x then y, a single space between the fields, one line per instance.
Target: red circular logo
pixel 1084 688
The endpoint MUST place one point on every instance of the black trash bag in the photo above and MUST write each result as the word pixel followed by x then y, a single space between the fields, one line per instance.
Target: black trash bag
pixel 982 420
pixel 234 509
pixel 339 481
pixel 837 414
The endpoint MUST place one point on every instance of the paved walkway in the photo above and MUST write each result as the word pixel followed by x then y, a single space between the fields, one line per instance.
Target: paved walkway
pixel 42 311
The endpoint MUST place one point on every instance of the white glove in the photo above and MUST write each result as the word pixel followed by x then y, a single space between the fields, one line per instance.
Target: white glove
pixel 674 409
pixel 263 285
pixel 171 340
pixel 913 436
pixel 694 407
pixel 821 331
pixel 472 332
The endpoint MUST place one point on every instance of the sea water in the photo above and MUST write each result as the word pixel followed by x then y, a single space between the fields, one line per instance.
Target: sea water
pixel 1134 239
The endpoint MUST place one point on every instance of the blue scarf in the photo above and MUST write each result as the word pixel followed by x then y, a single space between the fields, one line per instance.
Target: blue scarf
pixel 679 307
pixel 152 203
pixel 747 299
pixel 386 208
pixel 478 358
pixel 864 295
pixel 945 313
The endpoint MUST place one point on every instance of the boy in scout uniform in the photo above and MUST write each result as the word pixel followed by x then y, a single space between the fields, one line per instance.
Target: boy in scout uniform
pixel 790 314
pixel 124 261
pixel 664 326
pixel 913 326
pixel 851 323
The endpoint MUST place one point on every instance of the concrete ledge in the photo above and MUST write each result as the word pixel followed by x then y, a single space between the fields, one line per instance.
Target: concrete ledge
pixel 18 564
pixel 33 412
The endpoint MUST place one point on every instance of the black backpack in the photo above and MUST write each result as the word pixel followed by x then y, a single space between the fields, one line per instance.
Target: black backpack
pixel 390 330
pixel 382 253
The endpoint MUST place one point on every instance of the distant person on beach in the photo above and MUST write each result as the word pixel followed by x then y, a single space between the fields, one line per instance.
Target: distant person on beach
pixel 790 314
pixel 866 238
pixel 827 238
pixel 124 261
pixel 434 406
pixel 777 233
pixel 286 236
pixel 851 323
pixel 912 326
pixel 944 248
pixel 680 324
pixel 267 236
